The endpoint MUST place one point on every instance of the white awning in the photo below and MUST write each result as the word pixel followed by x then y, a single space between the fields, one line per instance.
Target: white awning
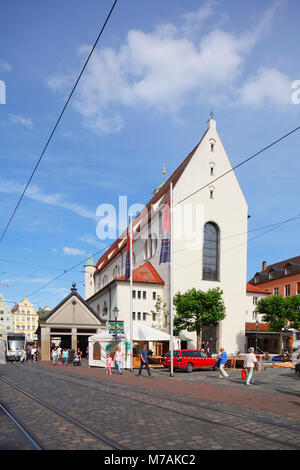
pixel 141 332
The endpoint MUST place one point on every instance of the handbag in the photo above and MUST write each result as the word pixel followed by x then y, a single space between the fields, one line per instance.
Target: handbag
pixel 244 374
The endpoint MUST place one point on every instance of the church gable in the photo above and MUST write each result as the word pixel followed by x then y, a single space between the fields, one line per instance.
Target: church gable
pixel 73 311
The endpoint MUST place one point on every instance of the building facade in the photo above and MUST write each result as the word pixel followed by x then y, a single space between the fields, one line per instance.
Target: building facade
pixel 205 252
pixel 281 278
pixel 6 319
pixel 26 320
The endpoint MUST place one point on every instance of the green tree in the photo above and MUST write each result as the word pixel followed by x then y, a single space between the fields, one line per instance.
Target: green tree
pixel 280 312
pixel 197 308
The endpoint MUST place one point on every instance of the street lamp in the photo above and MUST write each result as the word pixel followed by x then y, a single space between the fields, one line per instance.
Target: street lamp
pixel 116 311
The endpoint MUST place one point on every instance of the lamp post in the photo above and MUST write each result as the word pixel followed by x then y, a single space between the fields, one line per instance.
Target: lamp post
pixel 116 311
pixel 256 335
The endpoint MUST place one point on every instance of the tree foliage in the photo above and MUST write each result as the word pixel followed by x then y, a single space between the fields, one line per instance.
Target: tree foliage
pixel 280 312
pixel 197 308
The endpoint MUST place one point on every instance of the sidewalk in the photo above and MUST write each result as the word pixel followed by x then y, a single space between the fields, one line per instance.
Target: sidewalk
pixel 244 397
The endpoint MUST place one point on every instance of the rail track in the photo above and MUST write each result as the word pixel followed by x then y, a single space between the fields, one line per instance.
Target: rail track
pixel 29 435
pixel 191 412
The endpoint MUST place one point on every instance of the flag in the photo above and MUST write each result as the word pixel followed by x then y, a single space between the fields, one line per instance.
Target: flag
pixel 127 265
pixel 166 243
pixel 15 308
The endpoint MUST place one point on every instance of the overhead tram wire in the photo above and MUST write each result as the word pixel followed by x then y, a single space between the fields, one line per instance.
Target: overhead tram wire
pixel 250 239
pixel 57 122
pixel 67 270
pixel 237 166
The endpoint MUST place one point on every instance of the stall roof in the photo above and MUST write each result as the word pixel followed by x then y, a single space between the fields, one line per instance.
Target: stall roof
pixel 141 332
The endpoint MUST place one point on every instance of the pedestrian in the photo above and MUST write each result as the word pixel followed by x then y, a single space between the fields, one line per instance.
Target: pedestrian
pixel 118 360
pixel 59 351
pixel 87 352
pixel 249 362
pixel 33 349
pixel 23 356
pixel 65 356
pixel 207 348
pixel 108 364
pixel 144 361
pixel 54 355
pixel 223 359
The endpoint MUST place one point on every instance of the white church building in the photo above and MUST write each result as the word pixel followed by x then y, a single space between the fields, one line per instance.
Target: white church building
pixel 206 254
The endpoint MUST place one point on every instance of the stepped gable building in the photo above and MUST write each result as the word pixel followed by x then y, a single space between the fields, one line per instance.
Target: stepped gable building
pixel 205 253
pixel 279 278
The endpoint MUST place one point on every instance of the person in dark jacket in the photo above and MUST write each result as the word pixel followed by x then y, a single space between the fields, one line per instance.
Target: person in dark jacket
pixel 144 361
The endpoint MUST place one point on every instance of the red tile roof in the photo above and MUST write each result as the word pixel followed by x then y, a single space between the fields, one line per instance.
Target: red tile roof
pixel 144 273
pixel 260 327
pixel 251 288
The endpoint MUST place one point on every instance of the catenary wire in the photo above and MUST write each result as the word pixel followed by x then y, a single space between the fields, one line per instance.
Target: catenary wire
pixel 57 123
pixel 237 166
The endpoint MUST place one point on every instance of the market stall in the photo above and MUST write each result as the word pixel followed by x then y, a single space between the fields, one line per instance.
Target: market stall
pixel 105 343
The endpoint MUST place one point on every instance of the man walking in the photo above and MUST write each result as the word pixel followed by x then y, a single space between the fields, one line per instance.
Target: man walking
pixel 223 359
pixel 144 361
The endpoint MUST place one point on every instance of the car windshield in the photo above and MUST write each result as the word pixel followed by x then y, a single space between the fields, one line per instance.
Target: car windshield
pixel 175 354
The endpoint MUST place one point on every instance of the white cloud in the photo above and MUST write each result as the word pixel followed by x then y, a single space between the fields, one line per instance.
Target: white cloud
pixel 90 240
pixel 5 66
pixel 163 69
pixel 34 192
pixel 20 120
pixel 72 251
pixel 267 87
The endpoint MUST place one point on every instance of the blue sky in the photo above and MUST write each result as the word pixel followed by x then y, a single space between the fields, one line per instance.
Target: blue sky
pixel 144 101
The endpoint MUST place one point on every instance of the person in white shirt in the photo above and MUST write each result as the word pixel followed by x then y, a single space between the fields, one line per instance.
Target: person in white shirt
pixel 249 362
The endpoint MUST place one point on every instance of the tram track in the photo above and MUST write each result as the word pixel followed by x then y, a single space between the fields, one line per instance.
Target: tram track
pixel 25 430
pixel 191 412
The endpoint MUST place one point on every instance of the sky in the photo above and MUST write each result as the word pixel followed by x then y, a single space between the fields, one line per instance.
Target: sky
pixel 143 101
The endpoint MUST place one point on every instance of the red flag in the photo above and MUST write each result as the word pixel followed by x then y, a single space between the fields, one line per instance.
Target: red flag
pixel 15 308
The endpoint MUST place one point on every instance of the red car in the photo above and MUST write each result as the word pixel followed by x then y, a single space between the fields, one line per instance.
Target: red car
pixel 189 359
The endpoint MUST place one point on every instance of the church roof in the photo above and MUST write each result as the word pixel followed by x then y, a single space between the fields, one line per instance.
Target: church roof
pixel 144 273
pixel 145 215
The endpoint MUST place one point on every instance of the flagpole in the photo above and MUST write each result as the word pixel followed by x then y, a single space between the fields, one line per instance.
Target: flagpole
pixel 131 300
pixel 171 282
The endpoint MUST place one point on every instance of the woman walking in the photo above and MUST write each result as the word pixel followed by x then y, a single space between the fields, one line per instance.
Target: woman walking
pixel 118 359
pixel 54 356
pixel 249 362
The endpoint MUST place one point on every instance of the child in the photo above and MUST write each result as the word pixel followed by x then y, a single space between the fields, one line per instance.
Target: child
pixel 108 363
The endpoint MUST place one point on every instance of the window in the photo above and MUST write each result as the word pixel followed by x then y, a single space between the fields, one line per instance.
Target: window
pixel 255 299
pixel 17 318
pixel 2 319
pixel 133 315
pixel 275 291
pixel 211 194
pixel 254 315
pixel 287 290
pixel 28 318
pixel 211 252
pixel 150 246
pixel 28 327
pixel 144 316
pixel 212 147
pixel 116 272
pixel 8 327
pixel 211 171
pixel 23 318
pixel 133 294
pixel 139 316
pixel 144 294
pixel 139 294
pixel 153 316
pixel 154 295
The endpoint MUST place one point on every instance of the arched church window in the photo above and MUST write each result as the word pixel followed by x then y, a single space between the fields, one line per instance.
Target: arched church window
pixel 211 252
pixel 150 246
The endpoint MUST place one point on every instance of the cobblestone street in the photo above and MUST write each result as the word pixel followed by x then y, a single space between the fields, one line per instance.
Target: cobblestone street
pixel 190 411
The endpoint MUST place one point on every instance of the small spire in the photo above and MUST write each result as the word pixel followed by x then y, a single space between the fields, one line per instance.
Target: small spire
pixel 73 287
pixel 164 172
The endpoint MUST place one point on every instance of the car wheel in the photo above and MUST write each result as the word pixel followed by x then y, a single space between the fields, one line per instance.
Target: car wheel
pixel 189 368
